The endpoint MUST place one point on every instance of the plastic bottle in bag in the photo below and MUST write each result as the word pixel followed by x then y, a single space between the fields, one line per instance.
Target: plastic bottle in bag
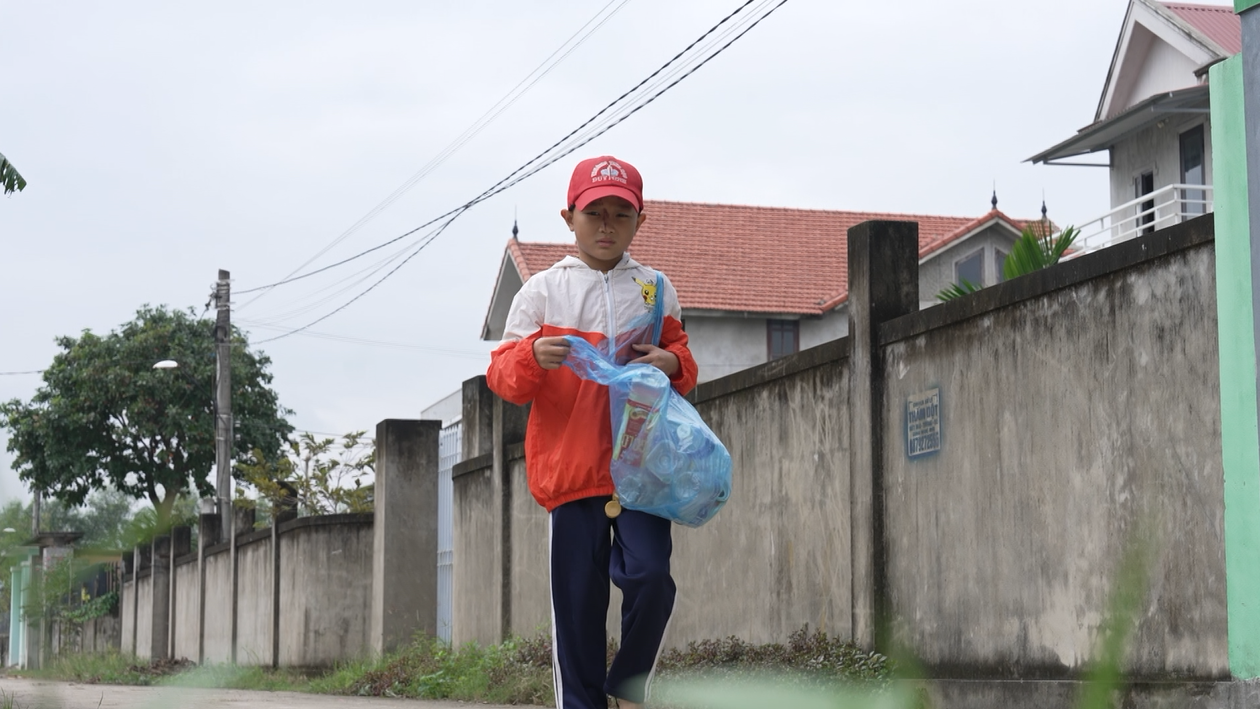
pixel 643 405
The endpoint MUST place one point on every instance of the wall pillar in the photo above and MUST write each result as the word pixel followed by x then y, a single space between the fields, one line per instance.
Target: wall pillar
pixel 1237 273
pixel 405 533
pixel 883 284
pixel 477 419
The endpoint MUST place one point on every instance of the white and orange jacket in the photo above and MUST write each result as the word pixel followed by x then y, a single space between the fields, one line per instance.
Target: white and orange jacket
pixel 568 443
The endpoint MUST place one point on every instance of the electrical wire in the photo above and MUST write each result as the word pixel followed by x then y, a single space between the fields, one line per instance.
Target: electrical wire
pixel 493 190
pixel 525 171
pixel 463 354
pixel 14 374
pixel 503 104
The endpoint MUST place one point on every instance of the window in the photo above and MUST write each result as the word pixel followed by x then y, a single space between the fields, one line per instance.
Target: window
pixel 1194 202
pixel 970 268
pixel 999 262
pixel 783 337
pixel 1143 185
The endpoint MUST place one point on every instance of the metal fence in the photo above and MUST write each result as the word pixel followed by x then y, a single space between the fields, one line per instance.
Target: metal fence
pixel 448 455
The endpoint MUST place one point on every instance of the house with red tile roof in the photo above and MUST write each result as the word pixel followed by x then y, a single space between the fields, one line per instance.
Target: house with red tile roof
pixel 756 283
pixel 1153 116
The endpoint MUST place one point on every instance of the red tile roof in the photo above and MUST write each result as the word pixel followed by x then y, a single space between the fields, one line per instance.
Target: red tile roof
pixel 1218 23
pixel 755 259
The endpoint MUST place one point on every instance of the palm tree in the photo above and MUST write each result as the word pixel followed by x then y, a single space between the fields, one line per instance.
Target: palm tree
pixel 1036 248
pixel 10 177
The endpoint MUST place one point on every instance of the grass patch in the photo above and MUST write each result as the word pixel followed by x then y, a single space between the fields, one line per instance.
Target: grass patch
pixel 514 672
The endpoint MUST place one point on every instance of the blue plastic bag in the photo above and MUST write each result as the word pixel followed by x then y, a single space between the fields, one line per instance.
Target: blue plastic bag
pixel 665 460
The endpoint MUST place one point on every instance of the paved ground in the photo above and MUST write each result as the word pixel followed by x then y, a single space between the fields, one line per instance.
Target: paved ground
pixel 31 694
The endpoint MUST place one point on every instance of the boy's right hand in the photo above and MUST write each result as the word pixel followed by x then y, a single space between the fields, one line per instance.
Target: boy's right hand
pixel 550 352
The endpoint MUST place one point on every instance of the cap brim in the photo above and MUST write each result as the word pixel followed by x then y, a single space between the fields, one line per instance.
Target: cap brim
pixel 595 193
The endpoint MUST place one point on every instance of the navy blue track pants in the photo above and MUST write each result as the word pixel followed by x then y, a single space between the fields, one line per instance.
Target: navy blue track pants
pixel 587 550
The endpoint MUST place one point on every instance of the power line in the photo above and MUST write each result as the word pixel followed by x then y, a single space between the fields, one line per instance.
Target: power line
pixel 14 374
pixel 469 133
pixel 525 171
pixel 508 181
pixel 465 354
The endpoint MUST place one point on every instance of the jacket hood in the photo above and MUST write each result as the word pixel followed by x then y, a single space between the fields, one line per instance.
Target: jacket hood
pixel 575 262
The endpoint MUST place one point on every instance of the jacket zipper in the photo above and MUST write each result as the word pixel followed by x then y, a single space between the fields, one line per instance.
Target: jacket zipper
pixel 612 323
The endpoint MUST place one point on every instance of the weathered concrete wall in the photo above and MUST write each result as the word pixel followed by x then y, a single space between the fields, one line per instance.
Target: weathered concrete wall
pixel 1073 422
pixel 477 543
pixel 102 634
pixel 530 569
pixel 253 606
pixel 127 614
pixel 325 581
pixel 777 556
pixel 144 619
pixel 187 618
pixel 218 635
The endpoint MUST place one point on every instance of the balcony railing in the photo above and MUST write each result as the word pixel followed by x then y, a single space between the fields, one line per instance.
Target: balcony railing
pixel 1162 208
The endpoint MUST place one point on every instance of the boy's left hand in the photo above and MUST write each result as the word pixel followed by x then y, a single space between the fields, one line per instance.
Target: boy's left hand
pixel 663 360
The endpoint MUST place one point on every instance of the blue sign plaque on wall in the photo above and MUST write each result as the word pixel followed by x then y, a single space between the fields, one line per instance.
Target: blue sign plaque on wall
pixel 923 423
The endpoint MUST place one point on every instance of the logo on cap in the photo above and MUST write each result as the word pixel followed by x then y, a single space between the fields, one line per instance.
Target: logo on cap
pixel 608 170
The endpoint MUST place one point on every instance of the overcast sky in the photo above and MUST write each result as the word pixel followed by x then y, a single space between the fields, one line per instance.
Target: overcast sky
pixel 164 141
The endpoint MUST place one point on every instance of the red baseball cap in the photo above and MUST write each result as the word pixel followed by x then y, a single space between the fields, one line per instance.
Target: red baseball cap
pixel 604 176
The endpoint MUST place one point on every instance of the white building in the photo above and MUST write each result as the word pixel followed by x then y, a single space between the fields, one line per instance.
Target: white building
pixel 756 283
pixel 1153 118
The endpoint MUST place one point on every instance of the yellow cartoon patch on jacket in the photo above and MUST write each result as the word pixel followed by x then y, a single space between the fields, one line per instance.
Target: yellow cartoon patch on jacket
pixel 649 293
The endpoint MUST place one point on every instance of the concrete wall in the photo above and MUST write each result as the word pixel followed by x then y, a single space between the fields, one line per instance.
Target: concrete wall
pixel 1095 423
pixel 530 569
pixel 253 609
pixel 127 615
pixel 1080 411
pixel 218 633
pixel 144 621
pixel 476 545
pixel 328 569
pixel 326 577
pixel 187 610
pixel 778 556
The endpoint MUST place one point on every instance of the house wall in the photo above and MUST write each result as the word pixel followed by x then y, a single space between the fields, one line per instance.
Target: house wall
pixel 1163 68
pixel 1158 149
pixel 725 345
pixel 818 330
pixel 937 271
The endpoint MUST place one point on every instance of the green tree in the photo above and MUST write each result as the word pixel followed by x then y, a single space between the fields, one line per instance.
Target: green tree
pixel 10 177
pixel 322 475
pixel 1036 248
pixel 105 417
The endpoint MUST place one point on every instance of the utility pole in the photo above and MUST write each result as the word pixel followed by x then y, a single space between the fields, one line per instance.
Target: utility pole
pixel 223 433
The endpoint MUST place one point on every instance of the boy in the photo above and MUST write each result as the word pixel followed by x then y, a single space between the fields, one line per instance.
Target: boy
pixel 568 443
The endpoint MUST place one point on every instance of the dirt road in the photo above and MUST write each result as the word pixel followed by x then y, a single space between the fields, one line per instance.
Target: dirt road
pixel 31 694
